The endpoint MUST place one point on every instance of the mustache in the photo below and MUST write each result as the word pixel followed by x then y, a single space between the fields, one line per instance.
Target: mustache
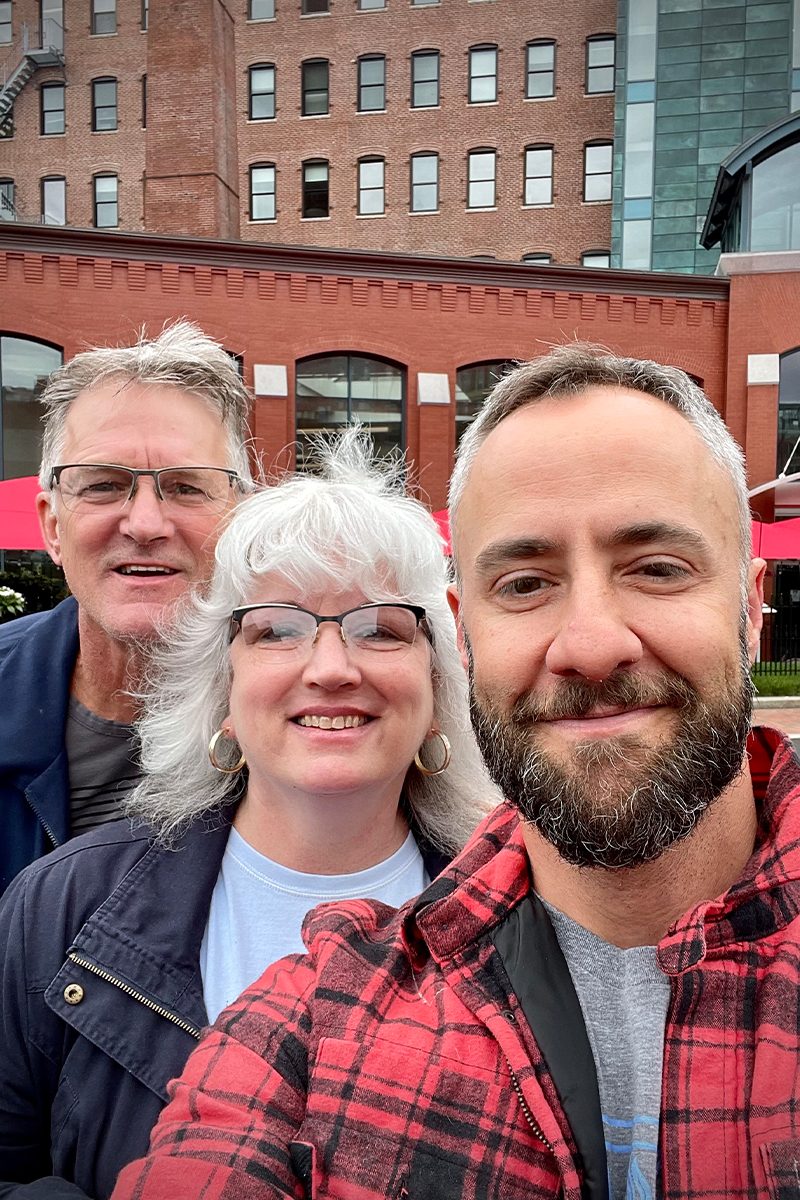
pixel 621 689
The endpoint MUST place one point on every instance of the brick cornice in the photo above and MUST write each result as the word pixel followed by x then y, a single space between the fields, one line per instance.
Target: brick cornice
pixel 60 240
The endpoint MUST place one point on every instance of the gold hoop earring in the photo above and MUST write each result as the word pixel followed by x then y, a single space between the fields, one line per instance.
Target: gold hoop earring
pixel 447 756
pixel 212 746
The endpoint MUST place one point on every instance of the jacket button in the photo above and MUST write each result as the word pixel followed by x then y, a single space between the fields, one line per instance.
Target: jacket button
pixel 73 993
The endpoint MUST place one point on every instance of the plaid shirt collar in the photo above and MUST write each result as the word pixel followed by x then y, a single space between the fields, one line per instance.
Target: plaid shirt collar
pixel 491 875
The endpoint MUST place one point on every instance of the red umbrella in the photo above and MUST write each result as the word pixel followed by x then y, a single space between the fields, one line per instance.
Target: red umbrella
pixel 19 524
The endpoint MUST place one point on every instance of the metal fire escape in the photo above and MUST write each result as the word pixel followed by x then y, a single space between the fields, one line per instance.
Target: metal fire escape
pixel 40 44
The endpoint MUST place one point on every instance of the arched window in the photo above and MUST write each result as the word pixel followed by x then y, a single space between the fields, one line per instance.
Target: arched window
pixel 24 369
pixel 788 449
pixel 333 390
pixel 775 201
pixel 473 384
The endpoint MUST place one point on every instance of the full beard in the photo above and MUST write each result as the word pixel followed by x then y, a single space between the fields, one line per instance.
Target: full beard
pixel 618 801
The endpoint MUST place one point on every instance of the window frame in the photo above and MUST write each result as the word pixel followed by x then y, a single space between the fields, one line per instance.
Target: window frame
pixel 52 87
pixel 416 57
pixel 260 166
pixel 105 79
pixel 251 94
pixel 424 183
pixel 537 147
pixel 96 202
pixel 250 16
pixel 9 24
pixel 597 145
pixel 471 154
pixel 472 77
pixel 315 162
pixel 361 189
pixel 96 17
pixel 595 254
pixel 144 100
pixel 305 91
pixel 366 58
pixel 593 39
pixel 538 259
pixel 551 71
pixel 351 355
pixel 314 8
pixel 52 179
pixel 144 21
pixel 7 194
pixel 371 7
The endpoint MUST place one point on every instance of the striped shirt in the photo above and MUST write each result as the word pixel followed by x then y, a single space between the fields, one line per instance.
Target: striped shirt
pixel 103 767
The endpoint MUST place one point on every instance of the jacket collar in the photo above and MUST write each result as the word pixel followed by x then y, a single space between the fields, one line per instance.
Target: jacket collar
pixel 491 876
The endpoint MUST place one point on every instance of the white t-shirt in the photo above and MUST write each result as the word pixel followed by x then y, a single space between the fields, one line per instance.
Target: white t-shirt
pixel 258 906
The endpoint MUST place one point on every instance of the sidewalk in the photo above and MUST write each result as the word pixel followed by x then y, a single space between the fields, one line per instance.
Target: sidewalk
pixel 783 713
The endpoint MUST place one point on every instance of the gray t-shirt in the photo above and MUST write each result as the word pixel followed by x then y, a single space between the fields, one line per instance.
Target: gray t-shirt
pixel 624 998
pixel 103 767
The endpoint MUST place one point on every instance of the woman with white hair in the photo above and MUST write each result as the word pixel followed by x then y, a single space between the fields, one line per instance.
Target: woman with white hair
pixel 306 739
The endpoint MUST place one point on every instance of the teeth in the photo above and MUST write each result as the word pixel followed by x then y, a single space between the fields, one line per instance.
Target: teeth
pixel 314 722
pixel 136 570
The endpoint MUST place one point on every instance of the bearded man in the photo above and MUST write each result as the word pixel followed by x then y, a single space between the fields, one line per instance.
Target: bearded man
pixel 600 997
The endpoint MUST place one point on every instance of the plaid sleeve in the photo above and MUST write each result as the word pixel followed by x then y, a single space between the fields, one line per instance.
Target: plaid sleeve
pixel 233 1114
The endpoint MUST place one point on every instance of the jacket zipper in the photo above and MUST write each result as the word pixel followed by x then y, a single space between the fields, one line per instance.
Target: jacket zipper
pixel 44 824
pixel 526 1112
pixel 129 991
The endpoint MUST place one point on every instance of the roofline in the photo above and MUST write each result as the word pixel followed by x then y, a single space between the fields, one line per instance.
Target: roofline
pixel 261 256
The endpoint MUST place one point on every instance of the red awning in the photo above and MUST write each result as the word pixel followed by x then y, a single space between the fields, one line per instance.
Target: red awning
pixel 19 524
pixel 442 519
pixel 781 539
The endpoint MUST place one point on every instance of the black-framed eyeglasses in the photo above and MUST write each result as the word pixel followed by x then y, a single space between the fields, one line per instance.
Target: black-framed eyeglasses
pixel 282 629
pixel 86 486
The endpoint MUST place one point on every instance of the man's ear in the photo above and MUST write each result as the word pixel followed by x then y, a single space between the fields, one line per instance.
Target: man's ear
pixel 48 523
pixel 454 600
pixel 755 600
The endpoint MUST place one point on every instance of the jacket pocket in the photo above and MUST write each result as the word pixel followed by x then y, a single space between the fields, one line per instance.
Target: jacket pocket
pixel 781 1163
pixel 395 1122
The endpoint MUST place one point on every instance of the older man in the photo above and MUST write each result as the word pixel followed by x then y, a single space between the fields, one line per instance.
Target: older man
pixel 601 996
pixel 144 451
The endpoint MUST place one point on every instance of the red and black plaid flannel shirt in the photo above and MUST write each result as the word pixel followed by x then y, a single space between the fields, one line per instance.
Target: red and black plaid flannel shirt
pixel 393 1062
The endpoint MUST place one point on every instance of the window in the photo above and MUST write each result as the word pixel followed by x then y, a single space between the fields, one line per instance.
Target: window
pixel 540 260
pixel 423 3
pixel 309 7
pixel 425 79
pixel 372 83
pixel 52 108
pixel 25 366
pixel 365 4
pixel 316 198
pixel 424 183
pixel 315 87
pixel 144 102
pixel 540 70
pixel 5 23
pixel 104 104
pixel 7 212
pixel 7 124
pixel 599 65
pixel 54 201
pixel 145 15
pixel 473 384
pixel 262 192
pixel 261 10
pixel 371 191
pixel 482 74
pixel 52 15
pixel 788 414
pixel 596 258
pixel 774 205
pixel 481 179
pixel 335 390
pixel 262 92
pixel 538 175
pixel 597 171
pixel 104 16
pixel 106 201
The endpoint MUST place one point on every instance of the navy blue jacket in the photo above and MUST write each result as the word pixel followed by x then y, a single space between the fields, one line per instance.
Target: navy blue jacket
pixel 37 658
pixel 113 923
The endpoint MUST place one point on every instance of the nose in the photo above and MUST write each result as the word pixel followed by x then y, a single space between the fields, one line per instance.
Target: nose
pixel 593 636
pixel 330 664
pixel 145 518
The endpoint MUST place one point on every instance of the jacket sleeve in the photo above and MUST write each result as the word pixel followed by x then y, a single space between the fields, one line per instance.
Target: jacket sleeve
pixel 234 1113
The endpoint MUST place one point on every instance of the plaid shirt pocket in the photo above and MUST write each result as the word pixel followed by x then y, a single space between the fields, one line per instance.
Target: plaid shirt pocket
pixel 394 1121
pixel 781 1163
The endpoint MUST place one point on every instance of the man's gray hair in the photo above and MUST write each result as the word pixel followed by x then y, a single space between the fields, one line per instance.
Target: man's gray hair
pixel 352 527
pixel 572 369
pixel 182 356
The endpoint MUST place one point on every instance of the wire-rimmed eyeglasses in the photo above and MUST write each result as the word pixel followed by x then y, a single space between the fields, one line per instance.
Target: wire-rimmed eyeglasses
pixel 283 629
pixel 86 486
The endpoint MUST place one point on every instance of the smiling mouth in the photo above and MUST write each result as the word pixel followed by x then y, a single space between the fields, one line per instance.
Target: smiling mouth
pixel 311 721
pixel 135 569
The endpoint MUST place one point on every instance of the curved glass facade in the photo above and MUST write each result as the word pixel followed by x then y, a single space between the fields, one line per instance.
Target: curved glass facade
pixel 334 390
pixel 473 384
pixel 24 369
pixel 775 201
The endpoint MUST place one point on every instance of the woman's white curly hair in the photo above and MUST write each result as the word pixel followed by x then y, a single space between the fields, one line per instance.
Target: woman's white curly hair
pixel 349 527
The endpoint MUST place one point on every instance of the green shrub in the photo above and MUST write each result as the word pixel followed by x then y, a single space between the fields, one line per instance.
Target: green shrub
pixel 40 591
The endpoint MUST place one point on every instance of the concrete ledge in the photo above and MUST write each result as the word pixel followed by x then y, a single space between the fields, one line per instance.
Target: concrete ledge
pixel 776 702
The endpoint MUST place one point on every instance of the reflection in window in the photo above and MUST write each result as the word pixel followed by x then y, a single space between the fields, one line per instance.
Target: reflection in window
pixel 54 201
pixel 24 369
pixel 597 171
pixel 539 260
pixel 335 390
pixel 599 65
pixel 481 179
pixel 106 201
pixel 371 186
pixel 775 201
pixel 261 10
pixel 7 210
pixel 372 83
pixel 596 258
pixel 104 104
pixel 541 70
pixel 262 192
pixel 425 79
pixel 52 108
pixel 315 87
pixel 262 92
pixel 788 450
pixel 104 16
pixel 5 23
pixel 482 74
pixel 539 175
pixel 473 384
pixel 424 182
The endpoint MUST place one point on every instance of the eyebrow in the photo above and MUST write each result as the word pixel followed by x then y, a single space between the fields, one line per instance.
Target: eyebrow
pixel 500 554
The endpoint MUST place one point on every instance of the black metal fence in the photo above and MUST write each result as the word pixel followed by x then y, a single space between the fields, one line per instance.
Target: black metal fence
pixel 780 641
